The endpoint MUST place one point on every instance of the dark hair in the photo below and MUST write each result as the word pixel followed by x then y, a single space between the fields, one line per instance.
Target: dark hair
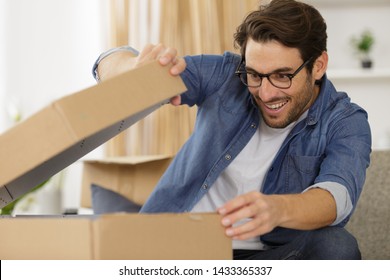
pixel 293 24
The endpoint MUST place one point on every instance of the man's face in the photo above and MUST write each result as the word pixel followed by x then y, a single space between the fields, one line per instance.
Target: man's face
pixel 279 107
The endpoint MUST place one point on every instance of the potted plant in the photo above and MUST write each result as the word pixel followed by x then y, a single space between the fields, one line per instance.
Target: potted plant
pixel 363 46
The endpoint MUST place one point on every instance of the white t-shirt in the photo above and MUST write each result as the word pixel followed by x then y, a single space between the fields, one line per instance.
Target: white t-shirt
pixel 246 173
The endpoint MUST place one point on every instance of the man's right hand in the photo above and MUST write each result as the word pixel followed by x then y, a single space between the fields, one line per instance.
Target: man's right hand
pixel 165 56
pixel 122 61
pixel 115 64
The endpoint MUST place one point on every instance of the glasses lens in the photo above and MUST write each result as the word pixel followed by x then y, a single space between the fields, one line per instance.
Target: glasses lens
pixel 277 80
pixel 251 80
pixel 244 79
pixel 280 80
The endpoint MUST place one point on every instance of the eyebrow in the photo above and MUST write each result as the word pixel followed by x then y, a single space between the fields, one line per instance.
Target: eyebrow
pixel 278 70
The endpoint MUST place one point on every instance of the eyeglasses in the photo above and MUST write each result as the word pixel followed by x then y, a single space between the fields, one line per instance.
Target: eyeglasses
pixel 280 80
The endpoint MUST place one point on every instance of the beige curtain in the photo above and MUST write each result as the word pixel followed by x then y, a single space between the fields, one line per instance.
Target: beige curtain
pixel 119 30
pixel 191 26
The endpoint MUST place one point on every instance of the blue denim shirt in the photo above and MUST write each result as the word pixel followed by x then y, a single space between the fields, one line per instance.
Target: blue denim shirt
pixel 332 144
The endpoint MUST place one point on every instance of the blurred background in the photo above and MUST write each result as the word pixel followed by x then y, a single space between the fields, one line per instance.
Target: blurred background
pixel 48 48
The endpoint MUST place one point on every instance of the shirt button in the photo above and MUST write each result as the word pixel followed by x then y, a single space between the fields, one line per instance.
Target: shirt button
pixel 271 169
pixel 253 125
pixel 228 157
pixel 205 187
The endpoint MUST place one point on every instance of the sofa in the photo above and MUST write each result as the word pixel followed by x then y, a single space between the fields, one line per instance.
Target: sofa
pixel 370 223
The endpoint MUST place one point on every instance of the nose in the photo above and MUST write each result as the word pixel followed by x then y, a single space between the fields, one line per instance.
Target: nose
pixel 266 91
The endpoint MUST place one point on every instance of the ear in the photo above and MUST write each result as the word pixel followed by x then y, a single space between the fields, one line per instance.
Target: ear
pixel 320 66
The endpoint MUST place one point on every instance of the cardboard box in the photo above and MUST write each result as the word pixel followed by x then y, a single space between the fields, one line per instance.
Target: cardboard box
pixel 69 128
pixel 133 177
pixel 115 236
pixel 42 145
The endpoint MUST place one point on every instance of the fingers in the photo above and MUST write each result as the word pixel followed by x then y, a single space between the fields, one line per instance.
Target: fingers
pixel 149 53
pixel 164 55
pixel 179 65
pixel 147 50
pixel 238 202
pixel 176 100
pixel 249 229
pixel 253 209
pixel 169 55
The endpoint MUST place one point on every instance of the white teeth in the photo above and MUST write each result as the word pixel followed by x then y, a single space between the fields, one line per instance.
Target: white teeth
pixel 276 106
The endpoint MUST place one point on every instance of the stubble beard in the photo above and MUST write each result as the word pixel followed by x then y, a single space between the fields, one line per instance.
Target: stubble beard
pixel 302 103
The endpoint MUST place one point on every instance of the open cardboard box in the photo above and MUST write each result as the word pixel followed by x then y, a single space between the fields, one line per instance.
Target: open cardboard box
pixel 115 236
pixel 133 177
pixel 69 128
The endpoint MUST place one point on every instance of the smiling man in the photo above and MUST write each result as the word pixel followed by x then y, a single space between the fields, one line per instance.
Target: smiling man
pixel 280 101
pixel 276 150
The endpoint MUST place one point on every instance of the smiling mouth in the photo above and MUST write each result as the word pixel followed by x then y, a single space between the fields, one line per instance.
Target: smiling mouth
pixel 276 106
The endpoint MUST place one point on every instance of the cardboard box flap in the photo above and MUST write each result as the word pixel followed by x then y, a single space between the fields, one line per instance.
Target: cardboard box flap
pixel 58 135
pixel 129 160
pixel 115 236
pixel 133 177
pixel 161 236
pixel 45 238
pixel 131 92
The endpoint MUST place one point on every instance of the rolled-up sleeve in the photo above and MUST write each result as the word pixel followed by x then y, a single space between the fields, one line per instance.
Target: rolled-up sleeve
pixel 95 73
pixel 341 196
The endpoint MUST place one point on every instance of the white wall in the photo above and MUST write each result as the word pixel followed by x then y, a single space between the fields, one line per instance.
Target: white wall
pixel 344 21
pixel 2 65
pixel 47 51
pixel 370 89
pixel 50 47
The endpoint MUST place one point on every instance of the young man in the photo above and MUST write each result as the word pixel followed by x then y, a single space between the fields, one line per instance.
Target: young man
pixel 276 150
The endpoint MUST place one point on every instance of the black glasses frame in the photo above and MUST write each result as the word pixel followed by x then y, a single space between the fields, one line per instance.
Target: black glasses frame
pixel 239 73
